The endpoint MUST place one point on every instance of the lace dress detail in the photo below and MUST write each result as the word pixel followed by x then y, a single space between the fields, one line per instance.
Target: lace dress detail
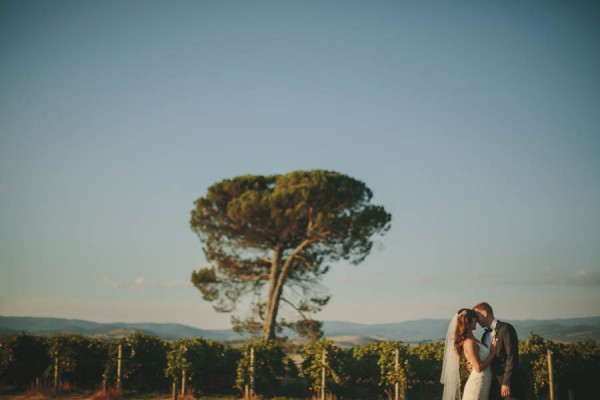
pixel 479 383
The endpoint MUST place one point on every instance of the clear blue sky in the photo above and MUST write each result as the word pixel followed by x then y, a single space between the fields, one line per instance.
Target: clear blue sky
pixel 476 125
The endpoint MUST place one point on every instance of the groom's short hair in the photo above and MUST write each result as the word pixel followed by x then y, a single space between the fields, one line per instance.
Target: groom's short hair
pixel 484 306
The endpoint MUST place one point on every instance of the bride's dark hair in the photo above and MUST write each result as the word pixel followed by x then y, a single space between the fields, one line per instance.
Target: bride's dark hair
pixel 465 317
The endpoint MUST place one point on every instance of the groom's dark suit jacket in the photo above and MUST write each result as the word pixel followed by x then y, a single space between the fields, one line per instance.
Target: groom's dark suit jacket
pixel 506 364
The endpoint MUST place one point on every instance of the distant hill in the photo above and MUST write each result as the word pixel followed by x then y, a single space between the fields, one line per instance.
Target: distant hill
pixel 343 333
pixel 408 331
pixel 351 341
pixel 566 330
pixel 50 326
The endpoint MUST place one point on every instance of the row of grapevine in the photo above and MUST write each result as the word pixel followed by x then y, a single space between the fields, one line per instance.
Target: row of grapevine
pixel 148 363
pixel 379 370
pixel 576 367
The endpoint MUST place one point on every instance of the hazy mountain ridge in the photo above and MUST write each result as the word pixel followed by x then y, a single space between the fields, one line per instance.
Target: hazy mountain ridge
pixel 49 326
pixel 568 330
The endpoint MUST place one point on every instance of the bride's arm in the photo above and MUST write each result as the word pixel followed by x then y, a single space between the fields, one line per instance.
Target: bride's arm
pixel 469 347
pixel 488 360
pixel 472 355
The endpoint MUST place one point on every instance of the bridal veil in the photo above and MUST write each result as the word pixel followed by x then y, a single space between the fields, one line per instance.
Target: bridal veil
pixel 450 368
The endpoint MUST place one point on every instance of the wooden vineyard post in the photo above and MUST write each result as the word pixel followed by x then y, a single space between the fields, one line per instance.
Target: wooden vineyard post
pixel 174 389
pixel 249 386
pixel 551 374
pixel 397 385
pixel 252 371
pixel 56 371
pixel 104 384
pixel 323 374
pixel 183 385
pixel 119 361
pixel 183 370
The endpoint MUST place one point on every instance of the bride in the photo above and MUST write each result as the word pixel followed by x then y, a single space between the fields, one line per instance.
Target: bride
pixel 461 342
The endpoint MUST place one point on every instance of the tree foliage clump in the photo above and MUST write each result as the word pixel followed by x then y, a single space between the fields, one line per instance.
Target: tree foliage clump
pixel 274 237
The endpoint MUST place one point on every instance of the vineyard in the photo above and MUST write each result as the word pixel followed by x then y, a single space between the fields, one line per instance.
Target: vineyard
pixel 195 368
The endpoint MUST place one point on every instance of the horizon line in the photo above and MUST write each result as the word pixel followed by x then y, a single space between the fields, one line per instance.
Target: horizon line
pixel 229 328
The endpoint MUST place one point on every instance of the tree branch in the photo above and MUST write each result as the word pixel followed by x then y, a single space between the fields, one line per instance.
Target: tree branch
pixel 294 307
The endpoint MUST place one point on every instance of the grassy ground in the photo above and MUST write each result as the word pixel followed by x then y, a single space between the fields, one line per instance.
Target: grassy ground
pixel 88 396
pixel 7 393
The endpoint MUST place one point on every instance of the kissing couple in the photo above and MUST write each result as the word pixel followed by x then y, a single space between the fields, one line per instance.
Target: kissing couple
pixel 493 361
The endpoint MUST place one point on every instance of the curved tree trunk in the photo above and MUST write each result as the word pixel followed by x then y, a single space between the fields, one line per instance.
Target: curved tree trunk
pixel 271 316
pixel 279 272
pixel 275 290
pixel 272 300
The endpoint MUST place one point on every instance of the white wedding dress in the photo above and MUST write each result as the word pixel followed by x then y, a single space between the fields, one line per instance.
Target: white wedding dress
pixel 479 383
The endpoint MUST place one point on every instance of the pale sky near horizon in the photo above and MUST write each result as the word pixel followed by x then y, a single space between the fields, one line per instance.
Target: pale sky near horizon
pixel 475 124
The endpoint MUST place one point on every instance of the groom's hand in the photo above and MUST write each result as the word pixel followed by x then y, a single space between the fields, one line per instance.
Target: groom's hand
pixel 505 391
pixel 469 366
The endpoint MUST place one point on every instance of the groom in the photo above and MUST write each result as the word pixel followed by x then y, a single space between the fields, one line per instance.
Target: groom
pixel 507 382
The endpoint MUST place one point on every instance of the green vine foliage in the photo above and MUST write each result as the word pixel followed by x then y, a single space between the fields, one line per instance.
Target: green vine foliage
pixel 336 366
pixel 425 362
pixel 271 366
pixel 23 358
pixel 576 367
pixel 177 360
pixel 363 369
pixel 534 363
pixel 152 364
pixel 143 362
pixel 379 361
pixel 210 366
pixel 81 361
